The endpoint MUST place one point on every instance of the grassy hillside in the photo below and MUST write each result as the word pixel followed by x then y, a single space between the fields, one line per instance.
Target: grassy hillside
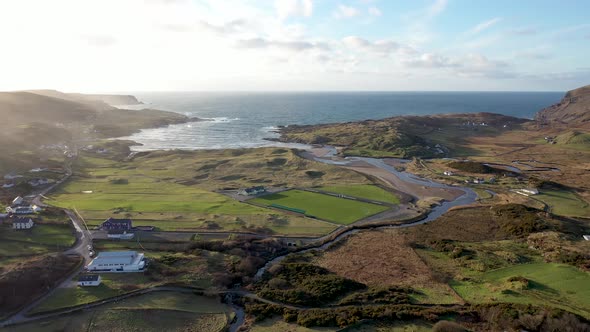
pixel 407 136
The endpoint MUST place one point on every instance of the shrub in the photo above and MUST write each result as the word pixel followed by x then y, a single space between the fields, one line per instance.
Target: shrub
pixel 119 181
pixel 448 326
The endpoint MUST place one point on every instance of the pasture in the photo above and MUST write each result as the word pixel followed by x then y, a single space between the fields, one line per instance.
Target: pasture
pixel 159 311
pixel 163 198
pixel 559 285
pixel 565 203
pixel 326 207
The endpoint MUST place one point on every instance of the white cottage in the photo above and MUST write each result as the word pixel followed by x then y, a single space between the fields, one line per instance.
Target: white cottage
pixel 22 223
pixel 89 280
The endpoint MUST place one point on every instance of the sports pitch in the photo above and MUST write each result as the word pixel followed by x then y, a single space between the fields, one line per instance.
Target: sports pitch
pixel 330 208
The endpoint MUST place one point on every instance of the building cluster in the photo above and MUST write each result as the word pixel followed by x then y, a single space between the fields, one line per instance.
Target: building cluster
pixel 20 207
pixel 252 191
pixel 12 179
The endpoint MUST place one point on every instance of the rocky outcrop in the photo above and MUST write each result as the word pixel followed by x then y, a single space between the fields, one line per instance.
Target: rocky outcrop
pixel 573 109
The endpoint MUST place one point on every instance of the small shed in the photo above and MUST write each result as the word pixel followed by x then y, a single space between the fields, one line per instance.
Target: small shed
pixel 89 280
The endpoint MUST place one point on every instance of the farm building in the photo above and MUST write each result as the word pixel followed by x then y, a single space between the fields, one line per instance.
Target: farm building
pixel 118 261
pixel 528 192
pixel 89 280
pixel 117 234
pixel 20 209
pixel 22 223
pixel 252 191
pixel 113 224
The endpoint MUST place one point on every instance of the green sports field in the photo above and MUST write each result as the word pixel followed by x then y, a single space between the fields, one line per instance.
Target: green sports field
pixel 338 210
pixel 366 191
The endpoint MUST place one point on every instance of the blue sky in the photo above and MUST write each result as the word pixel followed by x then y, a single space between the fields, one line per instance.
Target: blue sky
pixel 158 45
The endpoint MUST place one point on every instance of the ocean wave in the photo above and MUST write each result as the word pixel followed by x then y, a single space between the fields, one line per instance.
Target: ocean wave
pixel 221 119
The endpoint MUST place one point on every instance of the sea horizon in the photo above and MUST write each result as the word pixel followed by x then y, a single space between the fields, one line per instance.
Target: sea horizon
pixel 248 119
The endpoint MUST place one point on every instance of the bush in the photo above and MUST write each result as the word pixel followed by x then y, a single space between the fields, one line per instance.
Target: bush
pixel 119 181
pixel 448 326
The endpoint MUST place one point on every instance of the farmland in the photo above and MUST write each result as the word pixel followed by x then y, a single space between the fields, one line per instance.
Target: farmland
pixel 159 311
pixel 177 190
pixel 338 210
pixel 38 240
pixel 565 203
pixel 558 285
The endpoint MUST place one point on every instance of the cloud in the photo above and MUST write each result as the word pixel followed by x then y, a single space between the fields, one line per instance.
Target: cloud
pixel 430 60
pixel 295 46
pixel 100 40
pixel 380 47
pixel 346 12
pixel 484 25
pixel 230 27
pixel 374 11
pixel 286 8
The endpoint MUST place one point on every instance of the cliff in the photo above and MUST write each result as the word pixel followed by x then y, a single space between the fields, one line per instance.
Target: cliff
pixel 573 109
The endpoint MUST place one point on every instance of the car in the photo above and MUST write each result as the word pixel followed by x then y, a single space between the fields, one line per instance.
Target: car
pixel 89 247
pixel 91 254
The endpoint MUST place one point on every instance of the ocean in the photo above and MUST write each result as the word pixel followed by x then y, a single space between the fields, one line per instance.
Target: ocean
pixel 245 119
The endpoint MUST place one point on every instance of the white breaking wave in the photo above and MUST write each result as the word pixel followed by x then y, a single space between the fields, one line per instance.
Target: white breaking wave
pixel 221 119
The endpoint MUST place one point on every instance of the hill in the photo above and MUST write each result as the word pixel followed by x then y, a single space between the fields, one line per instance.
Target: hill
pixel 573 138
pixel 33 121
pixel 573 109
pixel 404 136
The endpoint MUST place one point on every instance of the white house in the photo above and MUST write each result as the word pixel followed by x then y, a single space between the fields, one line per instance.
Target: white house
pixel 118 261
pixel 20 209
pixel 89 280
pixel 449 173
pixel 528 192
pixel 22 223
pixel 12 176
pixel 39 182
pixel 252 191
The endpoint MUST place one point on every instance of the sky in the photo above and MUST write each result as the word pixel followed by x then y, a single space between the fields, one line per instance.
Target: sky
pixel 294 45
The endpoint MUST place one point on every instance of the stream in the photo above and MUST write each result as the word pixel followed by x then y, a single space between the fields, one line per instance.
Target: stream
pixel 469 196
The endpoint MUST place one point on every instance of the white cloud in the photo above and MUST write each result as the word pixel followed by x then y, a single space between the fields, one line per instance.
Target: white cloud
pixel 286 8
pixel 374 11
pixel 484 25
pixel 346 12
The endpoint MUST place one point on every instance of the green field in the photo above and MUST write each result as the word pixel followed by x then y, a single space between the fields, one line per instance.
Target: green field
pixel 564 203
pixel 557 285
pixel 107 188
pixel 38 240
pixel 158 311
pixel 338 210
pixel 366 191
pixel 112 285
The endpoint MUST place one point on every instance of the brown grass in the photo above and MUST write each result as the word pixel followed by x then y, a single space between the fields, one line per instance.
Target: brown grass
pixel 379 258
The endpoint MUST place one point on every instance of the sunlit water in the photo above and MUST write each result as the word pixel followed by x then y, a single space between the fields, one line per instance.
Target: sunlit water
pixel 236 120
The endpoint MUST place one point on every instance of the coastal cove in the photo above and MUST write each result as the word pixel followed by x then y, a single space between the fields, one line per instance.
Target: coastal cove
pixel 245 120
